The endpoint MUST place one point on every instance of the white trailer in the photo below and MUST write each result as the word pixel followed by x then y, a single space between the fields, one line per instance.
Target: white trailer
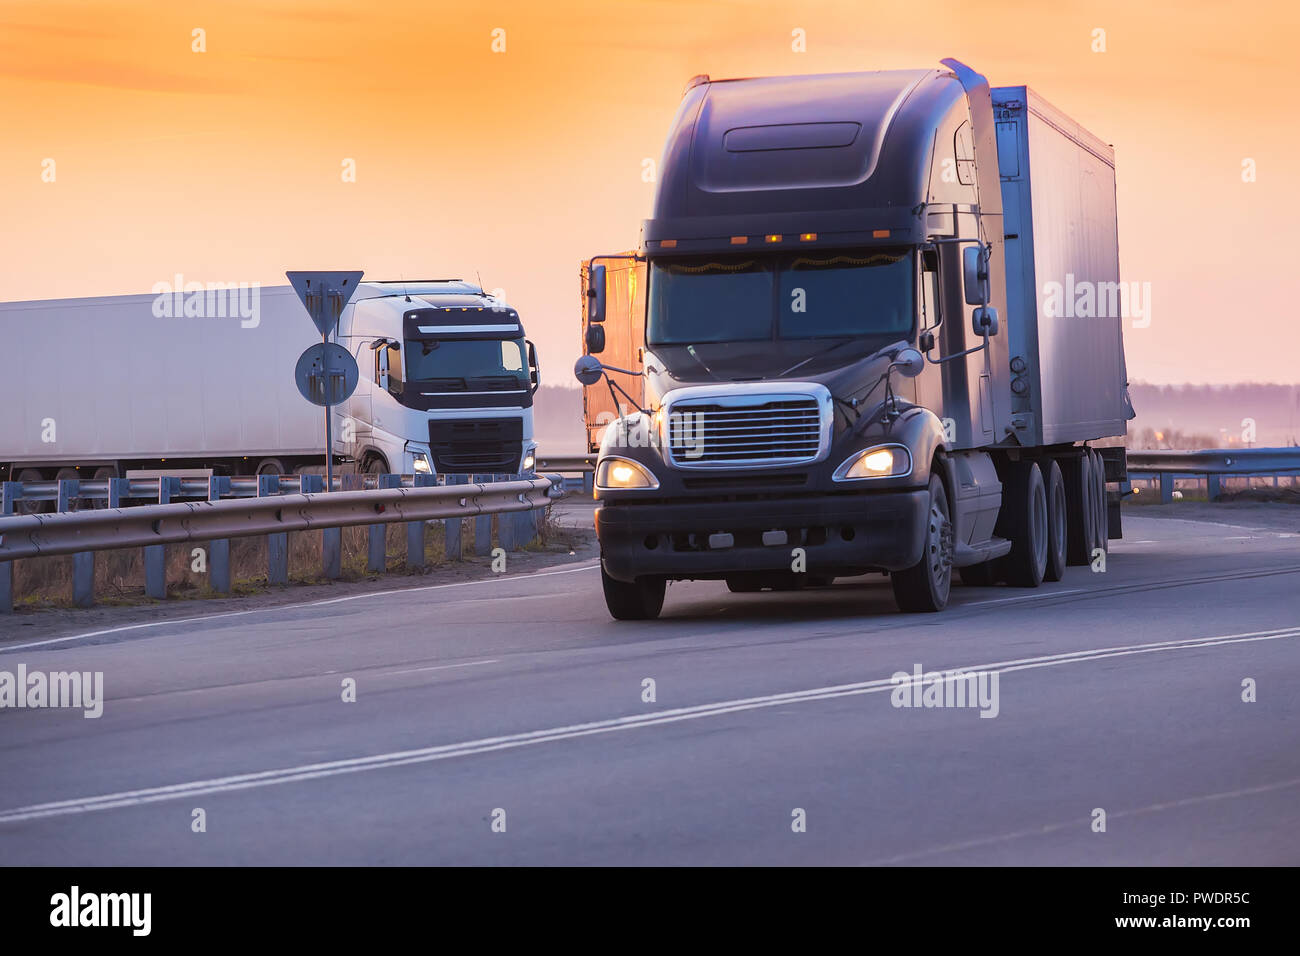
pixel 204 379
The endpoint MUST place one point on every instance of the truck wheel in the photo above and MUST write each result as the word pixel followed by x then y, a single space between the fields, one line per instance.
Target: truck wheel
pixel 1077 473
pixel 31 507
pixel 1100 514
pixel 642 600
pixel 1056 521
pixel 925 585
pixel 1023 521
pixel 104 472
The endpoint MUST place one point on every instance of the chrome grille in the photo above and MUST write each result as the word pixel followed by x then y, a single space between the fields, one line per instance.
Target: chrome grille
pixel 780 431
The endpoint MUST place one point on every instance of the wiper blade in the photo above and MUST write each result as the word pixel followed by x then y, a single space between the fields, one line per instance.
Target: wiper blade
pixel 844 341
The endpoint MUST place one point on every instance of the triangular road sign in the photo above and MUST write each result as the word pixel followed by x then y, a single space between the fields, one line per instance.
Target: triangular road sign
pixel 324 294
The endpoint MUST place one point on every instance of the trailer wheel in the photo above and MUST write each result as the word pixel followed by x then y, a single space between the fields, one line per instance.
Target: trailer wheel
pixel 104 472
pixel 271 466
pixel 31 507
pixel 1100 511
pixel 1023 521
pixel 1056 521
pixel 642 600
pixel 69 474
pixel 1077 473
pixel 925 585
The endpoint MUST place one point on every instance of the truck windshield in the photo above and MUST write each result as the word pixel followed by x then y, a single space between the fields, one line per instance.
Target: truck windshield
pixel 462 362
pixel 805 295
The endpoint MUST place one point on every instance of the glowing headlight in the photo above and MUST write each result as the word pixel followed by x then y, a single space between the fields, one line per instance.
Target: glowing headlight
pixel 617 474
pixel 880 461
pixel 421 464
pixel 529 461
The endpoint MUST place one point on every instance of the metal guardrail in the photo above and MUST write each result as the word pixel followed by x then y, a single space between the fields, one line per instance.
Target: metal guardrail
pixel 566 467
pixel 1213 465
pixel 270 505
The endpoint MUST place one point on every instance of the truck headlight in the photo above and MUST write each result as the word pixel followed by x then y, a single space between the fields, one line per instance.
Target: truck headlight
pixel 878 461
pixel 529 461
pixel 421 463
pixel 619 474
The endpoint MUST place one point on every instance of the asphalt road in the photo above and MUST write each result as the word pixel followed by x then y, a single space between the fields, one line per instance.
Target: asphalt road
pixel 515 700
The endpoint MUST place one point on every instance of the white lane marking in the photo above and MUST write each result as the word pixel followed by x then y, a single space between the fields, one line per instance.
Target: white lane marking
pixel 434 667
pixel 496 579
pixel 265 778
pixel 1023 597
pixel 1071 824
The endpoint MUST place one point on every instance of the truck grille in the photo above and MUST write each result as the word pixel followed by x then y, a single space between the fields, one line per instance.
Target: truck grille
pixel 476 445
pixel 783 431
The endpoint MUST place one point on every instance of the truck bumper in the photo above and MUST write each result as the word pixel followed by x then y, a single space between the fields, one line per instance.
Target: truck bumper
pixel 840 535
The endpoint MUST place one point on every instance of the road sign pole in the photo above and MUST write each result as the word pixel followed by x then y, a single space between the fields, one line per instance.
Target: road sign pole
pixel 329 438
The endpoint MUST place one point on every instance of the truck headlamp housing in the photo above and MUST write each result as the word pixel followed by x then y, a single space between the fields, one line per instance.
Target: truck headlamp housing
pixel 623 474
pixel 420 463
pixel 878 461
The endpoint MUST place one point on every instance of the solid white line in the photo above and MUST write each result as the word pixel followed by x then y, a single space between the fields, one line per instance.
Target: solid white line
pixel 434 667
pixel 332 768
pixel 5 648
pixel 1024 597
pixel 1070 824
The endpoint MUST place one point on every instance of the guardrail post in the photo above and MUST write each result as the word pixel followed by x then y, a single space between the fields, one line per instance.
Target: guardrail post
pixel 277 545
pixel 8 495
pixel 83 562
pixel 1166 488
pixel 219 550
pixel 377 536
pixel 331 539
pixel 588 482
pixel 415 529
pixel 1212 487
pixel 155 555
pixel 482 524
pixel 453 528
pixel 507 522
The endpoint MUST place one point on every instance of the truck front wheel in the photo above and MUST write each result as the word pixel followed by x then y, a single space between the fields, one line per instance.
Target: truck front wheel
pixel 641 600
pixel 925 585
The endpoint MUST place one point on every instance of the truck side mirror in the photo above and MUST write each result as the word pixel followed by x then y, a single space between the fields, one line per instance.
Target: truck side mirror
pixel 588 370
pixel 596 294
pixel 975 274
pixel 534 370
pixel 984 320
pixel 595 339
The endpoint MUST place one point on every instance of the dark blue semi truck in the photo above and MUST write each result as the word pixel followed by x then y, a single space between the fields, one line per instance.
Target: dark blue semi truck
pixel 882 332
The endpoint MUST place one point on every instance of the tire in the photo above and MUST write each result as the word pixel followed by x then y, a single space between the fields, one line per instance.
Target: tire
pixel 102 473
pixel 70 474
pixel 1057 521
pixel 271 466
pixel 924 587
pixel 642 600
pixel 1023 521
pixel 1077 473
pixel 1100 513
pixel 376 466
pixel 31 507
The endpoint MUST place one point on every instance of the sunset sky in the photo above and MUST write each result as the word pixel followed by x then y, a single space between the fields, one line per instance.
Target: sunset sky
pixel 226 165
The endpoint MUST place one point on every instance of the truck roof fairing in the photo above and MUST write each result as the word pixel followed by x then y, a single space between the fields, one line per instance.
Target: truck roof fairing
pixel 843 155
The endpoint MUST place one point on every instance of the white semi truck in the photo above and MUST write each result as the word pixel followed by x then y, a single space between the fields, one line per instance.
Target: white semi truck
pixel 204 379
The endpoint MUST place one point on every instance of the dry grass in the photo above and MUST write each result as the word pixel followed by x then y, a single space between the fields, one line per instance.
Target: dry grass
pixel 119 575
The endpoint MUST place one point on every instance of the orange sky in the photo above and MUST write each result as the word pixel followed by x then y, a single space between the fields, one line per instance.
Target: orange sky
pixel 225 165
